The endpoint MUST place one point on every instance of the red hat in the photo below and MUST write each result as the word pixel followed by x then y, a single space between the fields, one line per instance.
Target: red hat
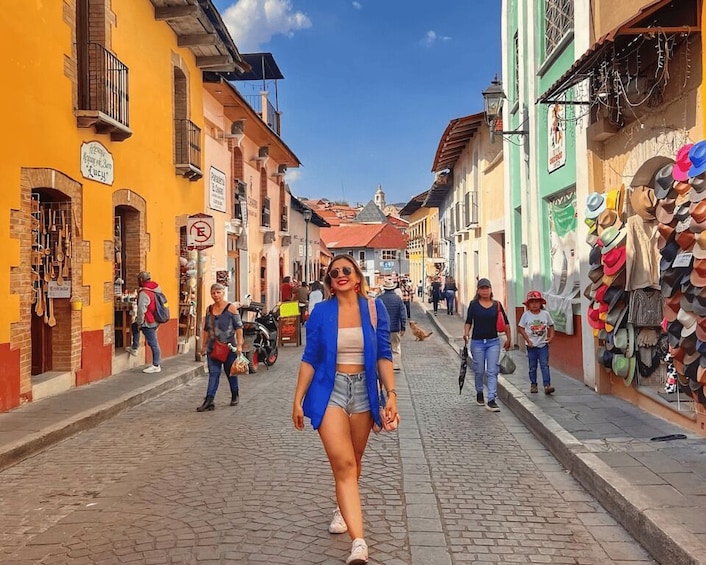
pixel 534 295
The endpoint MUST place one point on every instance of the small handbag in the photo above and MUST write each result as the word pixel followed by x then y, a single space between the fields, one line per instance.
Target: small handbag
pixel 506 364
pixel 500 323
pixel 220 351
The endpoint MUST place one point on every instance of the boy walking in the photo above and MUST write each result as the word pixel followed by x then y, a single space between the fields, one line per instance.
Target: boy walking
pixel 537 328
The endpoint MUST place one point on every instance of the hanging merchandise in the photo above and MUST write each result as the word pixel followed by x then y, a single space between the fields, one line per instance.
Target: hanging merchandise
pixel 681 213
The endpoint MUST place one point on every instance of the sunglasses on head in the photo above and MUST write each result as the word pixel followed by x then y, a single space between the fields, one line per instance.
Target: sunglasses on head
pixel 335 273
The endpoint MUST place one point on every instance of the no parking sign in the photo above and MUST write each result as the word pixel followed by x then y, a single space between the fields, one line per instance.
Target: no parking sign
pixel 199 232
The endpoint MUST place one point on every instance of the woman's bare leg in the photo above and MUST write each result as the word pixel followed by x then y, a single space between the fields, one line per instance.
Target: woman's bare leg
pixel 344 438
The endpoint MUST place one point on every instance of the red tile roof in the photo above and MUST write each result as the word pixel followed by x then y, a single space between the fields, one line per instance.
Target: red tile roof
pixel 375 236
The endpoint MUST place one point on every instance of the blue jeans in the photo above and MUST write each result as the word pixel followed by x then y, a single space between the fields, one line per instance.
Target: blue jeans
pixel 450 301
pixel 541 355
pixel 214 374
pixel 486 353
pixel 150 338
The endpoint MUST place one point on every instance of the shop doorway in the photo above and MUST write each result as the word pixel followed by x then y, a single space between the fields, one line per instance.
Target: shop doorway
pixel 51 216
pixel 233 269
pixel 127 264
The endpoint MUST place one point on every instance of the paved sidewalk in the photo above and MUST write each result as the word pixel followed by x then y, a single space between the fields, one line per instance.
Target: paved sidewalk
pixel 29 428
pixel 656 490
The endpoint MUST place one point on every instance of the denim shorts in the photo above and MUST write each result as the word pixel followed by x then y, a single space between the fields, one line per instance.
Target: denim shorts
pixel 350 393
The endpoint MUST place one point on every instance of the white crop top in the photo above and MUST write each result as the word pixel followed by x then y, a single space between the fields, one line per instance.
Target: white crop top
pixel 350 346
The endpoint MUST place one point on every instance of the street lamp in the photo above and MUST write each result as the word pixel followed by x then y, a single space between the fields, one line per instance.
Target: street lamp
pixel 307 219
pixel 493 97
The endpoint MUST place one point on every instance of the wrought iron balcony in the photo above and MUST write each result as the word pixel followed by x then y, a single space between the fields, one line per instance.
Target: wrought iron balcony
pixel 187 149
pixel 103 99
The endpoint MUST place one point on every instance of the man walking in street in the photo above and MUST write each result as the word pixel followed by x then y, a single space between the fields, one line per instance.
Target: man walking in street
pixel 406 287
pixel 398 319
pixel 146 322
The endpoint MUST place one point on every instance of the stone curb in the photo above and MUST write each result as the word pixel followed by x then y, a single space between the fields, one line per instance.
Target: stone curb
pixel 658 535
pixel 91 417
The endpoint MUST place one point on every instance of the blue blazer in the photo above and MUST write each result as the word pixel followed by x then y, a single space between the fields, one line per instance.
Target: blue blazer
pixel 321 349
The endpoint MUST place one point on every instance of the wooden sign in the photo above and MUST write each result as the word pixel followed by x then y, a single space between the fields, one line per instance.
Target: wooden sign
pixel 289 330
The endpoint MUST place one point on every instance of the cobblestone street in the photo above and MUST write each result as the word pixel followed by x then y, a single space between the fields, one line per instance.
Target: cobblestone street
pixel 160 483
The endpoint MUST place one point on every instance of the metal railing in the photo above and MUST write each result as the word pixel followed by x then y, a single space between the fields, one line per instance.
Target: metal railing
pixel 187 143
pixel 103 83
pixel 273 116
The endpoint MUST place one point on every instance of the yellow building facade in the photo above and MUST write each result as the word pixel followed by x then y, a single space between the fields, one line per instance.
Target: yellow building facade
pixel 104 108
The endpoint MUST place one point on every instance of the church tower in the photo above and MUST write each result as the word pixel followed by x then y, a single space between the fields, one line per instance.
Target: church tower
pixel 380 198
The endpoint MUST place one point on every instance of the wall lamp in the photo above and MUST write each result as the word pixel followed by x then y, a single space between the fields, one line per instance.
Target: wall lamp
pixel 493 98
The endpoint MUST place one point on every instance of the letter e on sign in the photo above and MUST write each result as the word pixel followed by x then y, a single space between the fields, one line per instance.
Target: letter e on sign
pixel 199 232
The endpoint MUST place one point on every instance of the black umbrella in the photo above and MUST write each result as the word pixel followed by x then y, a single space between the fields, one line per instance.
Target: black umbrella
pixel 464 366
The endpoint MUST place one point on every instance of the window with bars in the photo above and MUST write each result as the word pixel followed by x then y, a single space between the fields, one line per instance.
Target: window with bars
pixel 389 254
pixel 558 21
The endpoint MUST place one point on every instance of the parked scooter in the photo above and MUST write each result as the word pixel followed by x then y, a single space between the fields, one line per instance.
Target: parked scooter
pixel 261 333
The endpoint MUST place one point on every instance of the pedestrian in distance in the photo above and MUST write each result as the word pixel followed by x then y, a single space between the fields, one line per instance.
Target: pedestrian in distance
pixel 347 352
pixel 450 289
pixel 286 289
pixel 407 295
pixel 145 321
pixel 436 294
pixel 420 289
pixel 316 295
pixel 537 329
pixel 482 319
pixel 398 319
pixel 222 324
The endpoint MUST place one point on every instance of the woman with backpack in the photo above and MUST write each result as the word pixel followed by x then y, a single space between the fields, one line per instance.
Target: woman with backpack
pixel 223 327
pixel 146 321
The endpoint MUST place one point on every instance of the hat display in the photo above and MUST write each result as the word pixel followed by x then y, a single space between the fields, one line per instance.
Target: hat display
pixel 697 156
pixel 607 218
pixel 614 199
pixel 614 260
pixel 664 210
pixel 682 164
pixel 595 204
pixel 645 174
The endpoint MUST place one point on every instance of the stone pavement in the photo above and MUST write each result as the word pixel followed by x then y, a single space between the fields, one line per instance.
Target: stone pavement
pixel 161 483
pixel 657 490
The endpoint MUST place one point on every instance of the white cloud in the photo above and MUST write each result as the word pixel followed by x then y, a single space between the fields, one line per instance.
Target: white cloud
pixel 252 23
pixel 431 38
pixel 292 176
pixel 357 5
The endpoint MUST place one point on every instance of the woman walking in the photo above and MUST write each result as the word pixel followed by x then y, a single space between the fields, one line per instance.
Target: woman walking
pixel 482 317
pixel 450 289
pixel 347 352
pixel 436 294
pixel 222 327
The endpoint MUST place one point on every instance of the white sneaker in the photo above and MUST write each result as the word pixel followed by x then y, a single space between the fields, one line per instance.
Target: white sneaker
pixel 152 369
pixel 131 350
pixel 359 553
pixel 338 524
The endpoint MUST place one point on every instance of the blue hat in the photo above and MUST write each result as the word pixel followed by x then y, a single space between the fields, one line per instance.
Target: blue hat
pixel 697 156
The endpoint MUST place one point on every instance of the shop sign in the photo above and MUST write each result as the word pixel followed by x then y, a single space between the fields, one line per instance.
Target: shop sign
pixel 217 190
pixel 56 290
pixel 199 232
pixel 556 137
pixel 96 162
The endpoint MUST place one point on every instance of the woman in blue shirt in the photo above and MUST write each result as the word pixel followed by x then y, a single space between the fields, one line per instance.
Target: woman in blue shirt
pixel 482 317
pixel 347 350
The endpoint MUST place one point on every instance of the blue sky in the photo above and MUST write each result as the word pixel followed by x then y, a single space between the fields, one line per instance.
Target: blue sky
pixel 370 85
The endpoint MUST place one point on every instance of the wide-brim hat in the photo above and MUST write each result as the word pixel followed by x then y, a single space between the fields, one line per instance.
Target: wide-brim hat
pixel 596 274
pixel 632 369
pixel 595 204
pixel 614 260
pixel 388 284
pixel 618 279
pixel 682 163
pixel 685 239
pixel 645 174
pixel 620 339
pixel 643 201
pixel 612 295
pixel 607 218
pixel 664 210
pixel 664 182
pixel 688 322
pixel 615 317
pixel 697 183
pixel 698 273
pixel 699 248
pixel 614 199
pixel 670 282
pixel 697 156
pixel 594 257
pixel 610 238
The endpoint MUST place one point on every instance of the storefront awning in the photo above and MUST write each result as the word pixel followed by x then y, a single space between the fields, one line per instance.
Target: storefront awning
pixel 659 16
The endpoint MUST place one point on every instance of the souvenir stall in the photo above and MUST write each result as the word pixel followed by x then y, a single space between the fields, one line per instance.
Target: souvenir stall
pixel 647 297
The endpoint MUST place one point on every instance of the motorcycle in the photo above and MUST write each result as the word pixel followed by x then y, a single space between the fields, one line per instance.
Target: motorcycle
pixel 261 333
